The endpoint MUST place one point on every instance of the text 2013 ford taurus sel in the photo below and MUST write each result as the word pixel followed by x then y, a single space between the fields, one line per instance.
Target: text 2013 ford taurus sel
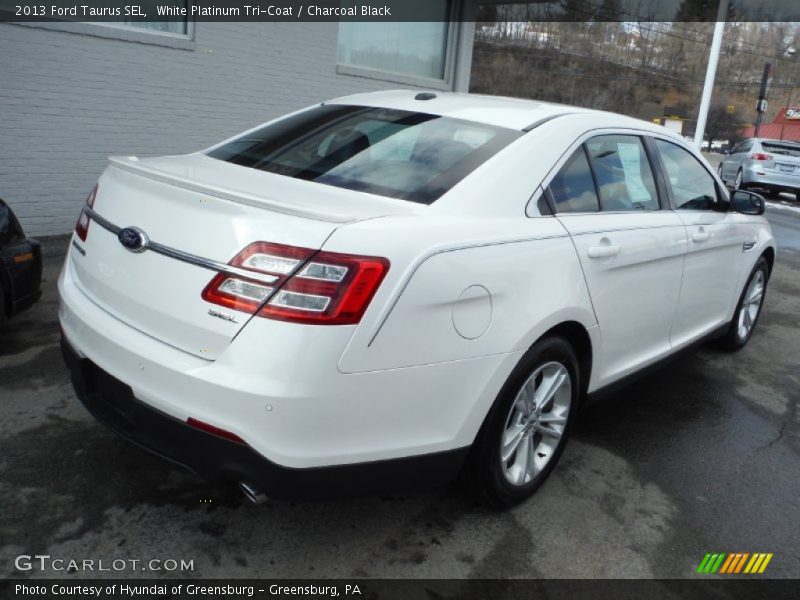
pixel 388 289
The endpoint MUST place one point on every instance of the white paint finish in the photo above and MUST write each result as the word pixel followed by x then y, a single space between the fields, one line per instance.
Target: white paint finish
pixel 472 312
pixel 369 416
pixel 223 180
pixel 633 264
pixel 161 296
pixel 713 269
pixel 420 371
pixel 419 329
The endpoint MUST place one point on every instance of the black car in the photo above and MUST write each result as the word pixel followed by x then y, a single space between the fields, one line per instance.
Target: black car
pixel 20 266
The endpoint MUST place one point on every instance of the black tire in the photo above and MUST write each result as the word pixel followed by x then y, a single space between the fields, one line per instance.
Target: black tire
pixel 733 339
pixel 485 468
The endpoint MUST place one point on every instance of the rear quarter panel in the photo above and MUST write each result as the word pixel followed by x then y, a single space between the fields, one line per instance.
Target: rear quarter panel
pixel 451 299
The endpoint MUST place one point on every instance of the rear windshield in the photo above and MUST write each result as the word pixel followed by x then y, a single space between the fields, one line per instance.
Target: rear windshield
pixel 396 153
pixel 781 148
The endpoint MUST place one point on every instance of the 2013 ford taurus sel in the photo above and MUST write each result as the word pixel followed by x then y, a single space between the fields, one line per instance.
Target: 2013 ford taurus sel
pixel 389 289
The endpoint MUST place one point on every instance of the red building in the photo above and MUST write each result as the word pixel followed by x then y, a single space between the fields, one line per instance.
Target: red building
pixel 786 126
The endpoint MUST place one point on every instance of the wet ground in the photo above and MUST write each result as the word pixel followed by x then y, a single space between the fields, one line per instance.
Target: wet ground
pixel 699 457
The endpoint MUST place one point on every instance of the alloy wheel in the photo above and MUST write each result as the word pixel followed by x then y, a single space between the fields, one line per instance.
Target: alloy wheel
pixel 737 183
pixel 751 303
pixel 535 423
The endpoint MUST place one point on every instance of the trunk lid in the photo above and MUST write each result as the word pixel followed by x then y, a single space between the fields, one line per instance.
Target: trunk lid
pixel 210 209
pixel 786 157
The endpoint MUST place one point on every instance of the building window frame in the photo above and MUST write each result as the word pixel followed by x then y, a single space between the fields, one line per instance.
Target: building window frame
pixel 450 54
pixel 189 35
pixel 123 32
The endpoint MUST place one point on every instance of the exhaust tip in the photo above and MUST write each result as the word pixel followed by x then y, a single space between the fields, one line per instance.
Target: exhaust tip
pixel 252 493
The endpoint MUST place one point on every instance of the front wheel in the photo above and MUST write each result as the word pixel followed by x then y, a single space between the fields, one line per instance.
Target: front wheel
pixel 526 429
pixel 748 310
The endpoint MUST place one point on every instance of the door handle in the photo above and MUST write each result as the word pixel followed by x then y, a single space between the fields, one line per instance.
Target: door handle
pixel 701 235
pixel 604 251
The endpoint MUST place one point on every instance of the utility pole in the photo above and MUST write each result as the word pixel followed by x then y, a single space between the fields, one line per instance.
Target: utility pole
pixel 790 52
pixel 761 107
pixel 711 71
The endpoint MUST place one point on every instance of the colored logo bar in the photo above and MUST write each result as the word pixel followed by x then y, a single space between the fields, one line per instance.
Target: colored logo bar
pixel 735 562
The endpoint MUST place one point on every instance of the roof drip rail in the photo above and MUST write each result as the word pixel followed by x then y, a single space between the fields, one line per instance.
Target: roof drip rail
pixel 544 120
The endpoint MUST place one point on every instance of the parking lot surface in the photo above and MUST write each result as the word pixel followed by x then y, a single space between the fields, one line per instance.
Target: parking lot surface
pixel 701 456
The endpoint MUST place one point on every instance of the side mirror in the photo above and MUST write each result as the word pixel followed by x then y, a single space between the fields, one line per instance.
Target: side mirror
pixel 747 203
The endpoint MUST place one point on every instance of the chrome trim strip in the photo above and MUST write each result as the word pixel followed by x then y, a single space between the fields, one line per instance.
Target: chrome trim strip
pixel 544 120
pixel 192 259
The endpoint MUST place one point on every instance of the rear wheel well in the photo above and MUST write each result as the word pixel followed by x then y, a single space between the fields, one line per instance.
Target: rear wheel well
pixel 578 337
pixel 769 254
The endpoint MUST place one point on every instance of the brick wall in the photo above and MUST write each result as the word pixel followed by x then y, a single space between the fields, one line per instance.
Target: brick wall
pixel 71 100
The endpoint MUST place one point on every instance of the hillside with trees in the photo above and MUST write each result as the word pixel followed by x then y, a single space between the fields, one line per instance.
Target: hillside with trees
pixel 643 69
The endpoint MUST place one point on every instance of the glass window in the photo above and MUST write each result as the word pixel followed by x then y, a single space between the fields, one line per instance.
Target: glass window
pixel 782 148
pixel 693 188
pixel 745 146
pixel 572 189
pixel 622 170
pixel 396 153
pixel 415 49
pixel 176 25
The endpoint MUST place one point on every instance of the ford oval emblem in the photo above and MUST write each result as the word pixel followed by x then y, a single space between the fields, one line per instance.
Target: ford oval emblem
pixel 133 238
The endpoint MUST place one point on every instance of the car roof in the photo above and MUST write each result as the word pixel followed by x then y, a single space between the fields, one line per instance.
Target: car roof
pixel 513 113
pixel 789 142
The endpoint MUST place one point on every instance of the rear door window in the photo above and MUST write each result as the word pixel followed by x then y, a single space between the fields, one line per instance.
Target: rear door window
pixel 624 178
pixel 743 147
pixel 401 154
pixel 572 189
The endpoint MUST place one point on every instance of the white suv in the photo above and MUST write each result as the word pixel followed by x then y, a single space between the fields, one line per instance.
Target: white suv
pixel 384 290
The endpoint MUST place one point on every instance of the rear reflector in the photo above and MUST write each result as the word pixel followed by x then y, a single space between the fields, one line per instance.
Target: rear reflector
pixel 82 226
pixel 213 430
pixel 315 287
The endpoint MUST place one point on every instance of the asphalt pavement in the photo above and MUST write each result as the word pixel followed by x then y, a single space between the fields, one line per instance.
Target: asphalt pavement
pixel 701 456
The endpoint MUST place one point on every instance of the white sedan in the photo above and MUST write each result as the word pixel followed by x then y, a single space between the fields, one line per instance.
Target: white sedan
pixel 387 289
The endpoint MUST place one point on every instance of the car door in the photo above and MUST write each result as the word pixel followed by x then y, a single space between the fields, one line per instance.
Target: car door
pixel 715 244
pixel 631 249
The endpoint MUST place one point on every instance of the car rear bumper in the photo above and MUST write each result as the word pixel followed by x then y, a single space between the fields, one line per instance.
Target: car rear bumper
pixel 772 179
pixel 112 403
pixel 303 421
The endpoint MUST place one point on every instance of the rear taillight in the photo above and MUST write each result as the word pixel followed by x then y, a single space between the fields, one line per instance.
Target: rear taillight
pixel 82 226
pixel 324 288
pixel 761 156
